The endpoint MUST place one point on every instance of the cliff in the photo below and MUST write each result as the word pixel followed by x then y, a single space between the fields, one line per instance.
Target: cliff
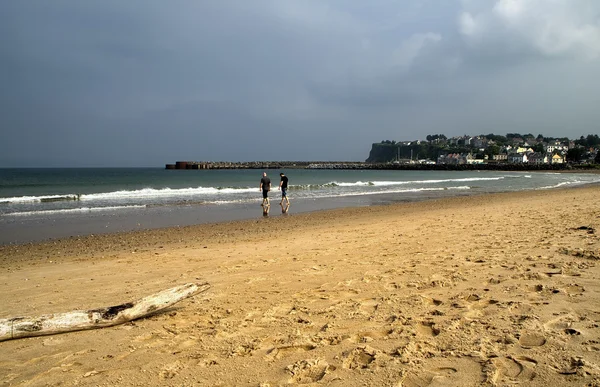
pixel 387 152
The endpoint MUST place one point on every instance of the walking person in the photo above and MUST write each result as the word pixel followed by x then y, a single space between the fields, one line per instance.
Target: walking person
pixel 283 185
pixel 265 187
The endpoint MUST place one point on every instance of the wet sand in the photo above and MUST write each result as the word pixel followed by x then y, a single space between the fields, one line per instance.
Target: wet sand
pixel 495 290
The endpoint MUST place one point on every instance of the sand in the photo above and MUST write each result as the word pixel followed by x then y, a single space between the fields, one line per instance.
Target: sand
pixel 494 290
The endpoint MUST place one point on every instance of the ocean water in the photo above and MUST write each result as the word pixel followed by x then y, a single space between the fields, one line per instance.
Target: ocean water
pixel 38 204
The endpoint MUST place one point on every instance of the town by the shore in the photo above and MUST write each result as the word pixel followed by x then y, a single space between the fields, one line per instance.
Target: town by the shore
pixel 488 290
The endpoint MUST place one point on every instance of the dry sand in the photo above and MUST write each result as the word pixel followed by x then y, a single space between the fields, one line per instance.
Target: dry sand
pixel 495 290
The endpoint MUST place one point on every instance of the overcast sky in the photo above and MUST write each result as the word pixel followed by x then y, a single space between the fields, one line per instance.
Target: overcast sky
pixel 149 82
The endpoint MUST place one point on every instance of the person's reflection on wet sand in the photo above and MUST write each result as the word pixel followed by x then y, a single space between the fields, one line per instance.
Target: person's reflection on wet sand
pixel 284 208
pixel 265 210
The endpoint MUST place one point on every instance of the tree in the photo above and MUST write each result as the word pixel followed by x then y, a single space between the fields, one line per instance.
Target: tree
pixel 435 137
pixel 597 159
pixel 492 150
pixel 575 154
pixel 501 140
pixel 539 148
pixel 590 141
pixel 593 140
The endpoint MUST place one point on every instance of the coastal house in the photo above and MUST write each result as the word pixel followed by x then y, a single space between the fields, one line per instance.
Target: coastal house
pixel 452 159
pixel 470 159
pixel 447 159
pixel 480 142
pixel 558 159
pixel 458 158
pixel 556 146
pixel 500 157
pixel 523 149
pixel 517 158
pixel 537 158
pixel 461 140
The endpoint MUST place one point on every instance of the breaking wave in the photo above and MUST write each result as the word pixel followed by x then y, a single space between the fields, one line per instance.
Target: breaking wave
pixel 81 210
pixel 146 193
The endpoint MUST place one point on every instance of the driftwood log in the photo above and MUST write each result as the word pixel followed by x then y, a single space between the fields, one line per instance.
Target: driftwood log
pixel 18 327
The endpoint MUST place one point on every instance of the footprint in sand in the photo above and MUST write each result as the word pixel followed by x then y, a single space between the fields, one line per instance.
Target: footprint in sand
pixel 574 290
pixel 428 328
pixel 431 301
pixel 531 339
pixel 309 371
pixel 169 371
pixel 360 358
pixel 369 305
pixel 277 312
pixel 511 369
pixel 477 306
pixel 366 336
pixel 452 372
pixel 392 286
pixel 473 297
pixel 561 323
pixel 575 365
pixel 286 350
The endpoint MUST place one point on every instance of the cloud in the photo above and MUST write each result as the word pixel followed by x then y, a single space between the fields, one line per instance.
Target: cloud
pixel 410 49
pixel 552 28
pixel 235 80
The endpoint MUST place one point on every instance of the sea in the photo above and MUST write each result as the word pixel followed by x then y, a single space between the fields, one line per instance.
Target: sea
pixel 45 204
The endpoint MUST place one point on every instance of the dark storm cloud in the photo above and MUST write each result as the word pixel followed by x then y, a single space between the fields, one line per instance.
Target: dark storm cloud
pixel 147 82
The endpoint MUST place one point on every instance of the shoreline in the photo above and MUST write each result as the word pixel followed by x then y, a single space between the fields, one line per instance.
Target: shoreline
pixel 172 233
pixel 494 289
pixel 20 231
pixel 26 230
pixel 31 222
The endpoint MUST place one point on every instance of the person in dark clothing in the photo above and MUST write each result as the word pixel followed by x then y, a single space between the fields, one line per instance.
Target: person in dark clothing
pixel 265 187
pixel 283 185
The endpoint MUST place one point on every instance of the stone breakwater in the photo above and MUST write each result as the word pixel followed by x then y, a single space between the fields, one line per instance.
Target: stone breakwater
pixel 363 165
pixel 258 164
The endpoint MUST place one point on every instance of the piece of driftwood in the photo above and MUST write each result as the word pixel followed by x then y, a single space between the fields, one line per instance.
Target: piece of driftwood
pixel 18 327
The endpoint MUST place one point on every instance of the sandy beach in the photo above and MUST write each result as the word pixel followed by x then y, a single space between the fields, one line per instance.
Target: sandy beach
pixel 493 290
